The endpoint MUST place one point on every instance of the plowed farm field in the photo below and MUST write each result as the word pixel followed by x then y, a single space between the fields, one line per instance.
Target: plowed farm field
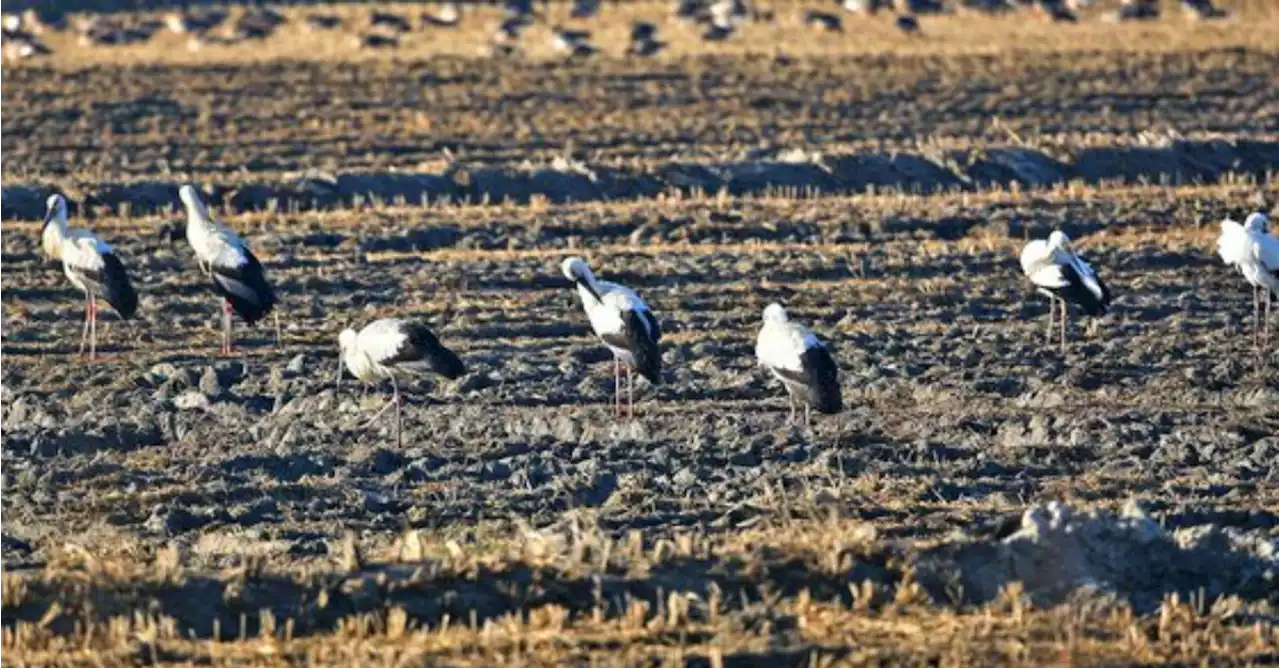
pixel 983 498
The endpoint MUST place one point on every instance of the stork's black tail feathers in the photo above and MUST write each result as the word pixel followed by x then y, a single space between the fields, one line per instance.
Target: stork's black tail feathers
pixel 247 289
pixel 1077 293
pixel 821 382
pixel 117 288
pixel 442 360
pixel 642 341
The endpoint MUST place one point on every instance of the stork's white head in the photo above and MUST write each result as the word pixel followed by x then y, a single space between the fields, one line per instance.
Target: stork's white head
pixel 347 339
pixel 1256 222
pixel 346 342
pixel 775 313
pixel 191 199
pixel 576 269
pixel 1059 240
pixel 55 210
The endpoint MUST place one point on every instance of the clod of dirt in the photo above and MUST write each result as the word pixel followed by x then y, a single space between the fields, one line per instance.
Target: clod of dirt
pixel 210 385
pixel 192 400
pixel 173 521
pixel 297 365
pixel 1056 551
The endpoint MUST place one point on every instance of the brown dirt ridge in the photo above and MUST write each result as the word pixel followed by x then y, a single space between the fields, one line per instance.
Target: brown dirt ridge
pixel 1167 161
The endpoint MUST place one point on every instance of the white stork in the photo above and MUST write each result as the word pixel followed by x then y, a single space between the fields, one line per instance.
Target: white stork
pixel 624 323
pixel 1254 252
pixel 91 265
pixel 389 347
pixel 237 275
pixel 798 359
pixel 1062 276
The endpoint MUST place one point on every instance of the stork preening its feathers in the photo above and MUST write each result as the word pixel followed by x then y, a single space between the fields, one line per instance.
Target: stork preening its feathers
pixel 237 275
pixel 624 323
pixel 1063 276
pixel 1256 254
pixel 798 359
pixel 389 347
pixel 91 265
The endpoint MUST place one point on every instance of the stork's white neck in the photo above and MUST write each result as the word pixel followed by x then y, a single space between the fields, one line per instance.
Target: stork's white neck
pixel 589 278
pixel 57 226
pixel 198 216
pixel 52 236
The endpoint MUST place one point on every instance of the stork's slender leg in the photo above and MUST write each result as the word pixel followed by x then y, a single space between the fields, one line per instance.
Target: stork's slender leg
pixel 84 333
pixel 631 402
pixel 617 388
pixel 1063 324
pixel 1048 333
pixel 394 403
pixel 275 314
pixel 808 420
pixel 1266 318
pixel 226 327
pixel 1256 308
pixel 791 403
pixel 381 411
pixel 395 397
pixel 93 327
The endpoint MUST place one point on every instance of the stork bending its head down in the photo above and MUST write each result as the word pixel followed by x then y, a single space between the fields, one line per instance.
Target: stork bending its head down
pixel 797 358
pixel 389 347
pixel 1062 276
pixel 624 323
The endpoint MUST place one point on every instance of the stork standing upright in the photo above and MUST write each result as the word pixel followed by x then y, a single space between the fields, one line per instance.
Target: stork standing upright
pixel 389 347
pixel 237 275
pixel 798 359
pixel 91 265
pixel 1063 276
pixel 624 323
pixel 1256 254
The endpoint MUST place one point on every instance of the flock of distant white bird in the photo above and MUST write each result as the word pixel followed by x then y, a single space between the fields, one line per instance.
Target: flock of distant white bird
pixel 383 28
pixel 392 347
